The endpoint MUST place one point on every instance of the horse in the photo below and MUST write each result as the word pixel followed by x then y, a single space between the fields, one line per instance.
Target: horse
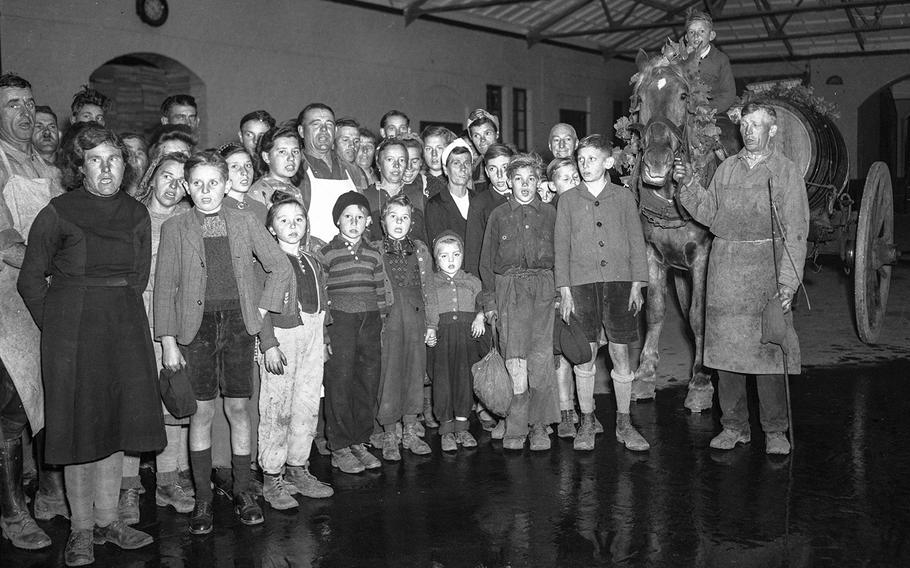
pixel 669 123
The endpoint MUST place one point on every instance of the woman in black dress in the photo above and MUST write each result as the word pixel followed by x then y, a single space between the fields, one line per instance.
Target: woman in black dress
pixel 96 351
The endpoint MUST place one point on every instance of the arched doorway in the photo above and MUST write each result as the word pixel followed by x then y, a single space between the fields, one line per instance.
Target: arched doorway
pixel 883 132
pixel 138 83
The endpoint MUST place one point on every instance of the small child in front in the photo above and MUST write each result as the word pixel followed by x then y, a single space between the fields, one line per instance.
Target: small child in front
pixel 516 266
pixel 357 296
pixel 293 345
pixel 408 268
pixel 209 303
pixel 452 323
pixel 601 267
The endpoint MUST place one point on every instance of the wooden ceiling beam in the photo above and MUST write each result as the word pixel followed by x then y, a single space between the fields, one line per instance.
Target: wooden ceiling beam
pixel 791 37
pixel 420 11
pixel 763 5
pixel 669 24
pixel 534 33
pixel 859 36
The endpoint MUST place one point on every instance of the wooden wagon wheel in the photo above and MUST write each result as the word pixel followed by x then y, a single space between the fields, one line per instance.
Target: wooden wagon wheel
pixel 874 253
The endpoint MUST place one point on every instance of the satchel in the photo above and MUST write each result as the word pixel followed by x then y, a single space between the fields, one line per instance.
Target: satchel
pixel 176 393
pixel 492 383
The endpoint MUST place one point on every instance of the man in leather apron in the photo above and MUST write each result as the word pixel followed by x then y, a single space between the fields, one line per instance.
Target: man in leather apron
pixel 27 183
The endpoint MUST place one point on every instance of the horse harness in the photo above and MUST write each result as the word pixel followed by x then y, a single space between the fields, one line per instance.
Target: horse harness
pixel 654 208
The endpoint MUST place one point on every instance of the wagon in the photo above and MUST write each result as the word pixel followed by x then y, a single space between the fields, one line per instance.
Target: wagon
pixel 862 236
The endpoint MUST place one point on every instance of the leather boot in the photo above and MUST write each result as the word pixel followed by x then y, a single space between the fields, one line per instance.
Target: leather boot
pixel 50 501
pixel 16 524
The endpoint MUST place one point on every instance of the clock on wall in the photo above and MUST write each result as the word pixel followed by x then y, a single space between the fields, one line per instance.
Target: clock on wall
pixel 152 12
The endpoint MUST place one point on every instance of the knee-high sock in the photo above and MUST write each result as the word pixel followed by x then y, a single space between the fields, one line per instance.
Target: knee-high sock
pixel 80 492
pixel 108 476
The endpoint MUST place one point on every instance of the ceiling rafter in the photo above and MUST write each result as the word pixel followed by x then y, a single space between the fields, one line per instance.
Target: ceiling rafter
pixel 771 21
pixel 607 14
pixel 568 10
pixel 662 6
pixel 669 24
pixel 411 11
pixel 859 36
pixel 715 7
pixel 611 50
pixel 470 5
pixel 807 35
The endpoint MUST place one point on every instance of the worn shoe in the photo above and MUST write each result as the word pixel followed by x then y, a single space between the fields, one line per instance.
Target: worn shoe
pixel 448 443
pixel 80 550
pixel 276 492
pixel 514 442
pixel 728 438
pixel 419 429
pixel 776 444
pixel 584 438
pixel 499 430
pixel 368 460
pixel 23 531
pixel 248 510
pixel 300 479
pixel 128 506
pixel 322 446
pixel 185 480
pixel 566 428
pixel 50 500
pixel 628 435
pixel 376 439
pixel 223 481
pixel 539 439
pixel 175 496
pixel 487 421
pixel 465 439
pixel 347 462
pixel 410 441
pixel 121 535
pixel 390 447
pixel 49 506
pixel 201 519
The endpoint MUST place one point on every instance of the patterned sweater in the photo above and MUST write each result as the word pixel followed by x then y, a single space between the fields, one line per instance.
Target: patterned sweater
pixel 356 277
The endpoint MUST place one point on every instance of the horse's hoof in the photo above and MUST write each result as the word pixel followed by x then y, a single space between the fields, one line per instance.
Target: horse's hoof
pixel 700 399
pixel 642 389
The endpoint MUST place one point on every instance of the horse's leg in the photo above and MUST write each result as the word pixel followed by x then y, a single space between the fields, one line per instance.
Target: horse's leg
pixel 655 307
pixel 701 392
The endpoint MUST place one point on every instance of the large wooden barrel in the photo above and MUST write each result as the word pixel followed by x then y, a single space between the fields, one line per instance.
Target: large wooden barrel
pixel 817 147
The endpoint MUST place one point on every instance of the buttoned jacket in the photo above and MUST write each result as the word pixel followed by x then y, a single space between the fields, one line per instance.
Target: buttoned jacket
pixel 180 275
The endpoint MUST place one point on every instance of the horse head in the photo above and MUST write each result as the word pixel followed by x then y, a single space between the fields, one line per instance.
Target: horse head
pixel 662 143
pixel 661 94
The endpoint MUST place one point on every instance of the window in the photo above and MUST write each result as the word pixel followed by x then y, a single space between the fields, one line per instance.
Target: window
pixel 494 101
pixel 520 119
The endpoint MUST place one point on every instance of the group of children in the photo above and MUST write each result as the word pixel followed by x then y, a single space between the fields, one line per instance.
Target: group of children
pixel 366 317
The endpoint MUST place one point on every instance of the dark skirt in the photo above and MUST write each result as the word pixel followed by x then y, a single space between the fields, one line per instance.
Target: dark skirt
pixel 449 365
pixel 100 380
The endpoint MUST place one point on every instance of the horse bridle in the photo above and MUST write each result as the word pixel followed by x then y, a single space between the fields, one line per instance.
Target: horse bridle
pixel 656 209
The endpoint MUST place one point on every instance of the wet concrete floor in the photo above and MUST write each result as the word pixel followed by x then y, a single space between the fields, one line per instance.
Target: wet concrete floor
pixel 842 499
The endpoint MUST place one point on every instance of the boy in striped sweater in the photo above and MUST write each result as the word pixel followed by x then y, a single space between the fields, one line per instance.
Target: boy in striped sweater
pixel 357 302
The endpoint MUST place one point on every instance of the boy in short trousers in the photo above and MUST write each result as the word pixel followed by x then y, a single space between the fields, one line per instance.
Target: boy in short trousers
pixel 601 267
